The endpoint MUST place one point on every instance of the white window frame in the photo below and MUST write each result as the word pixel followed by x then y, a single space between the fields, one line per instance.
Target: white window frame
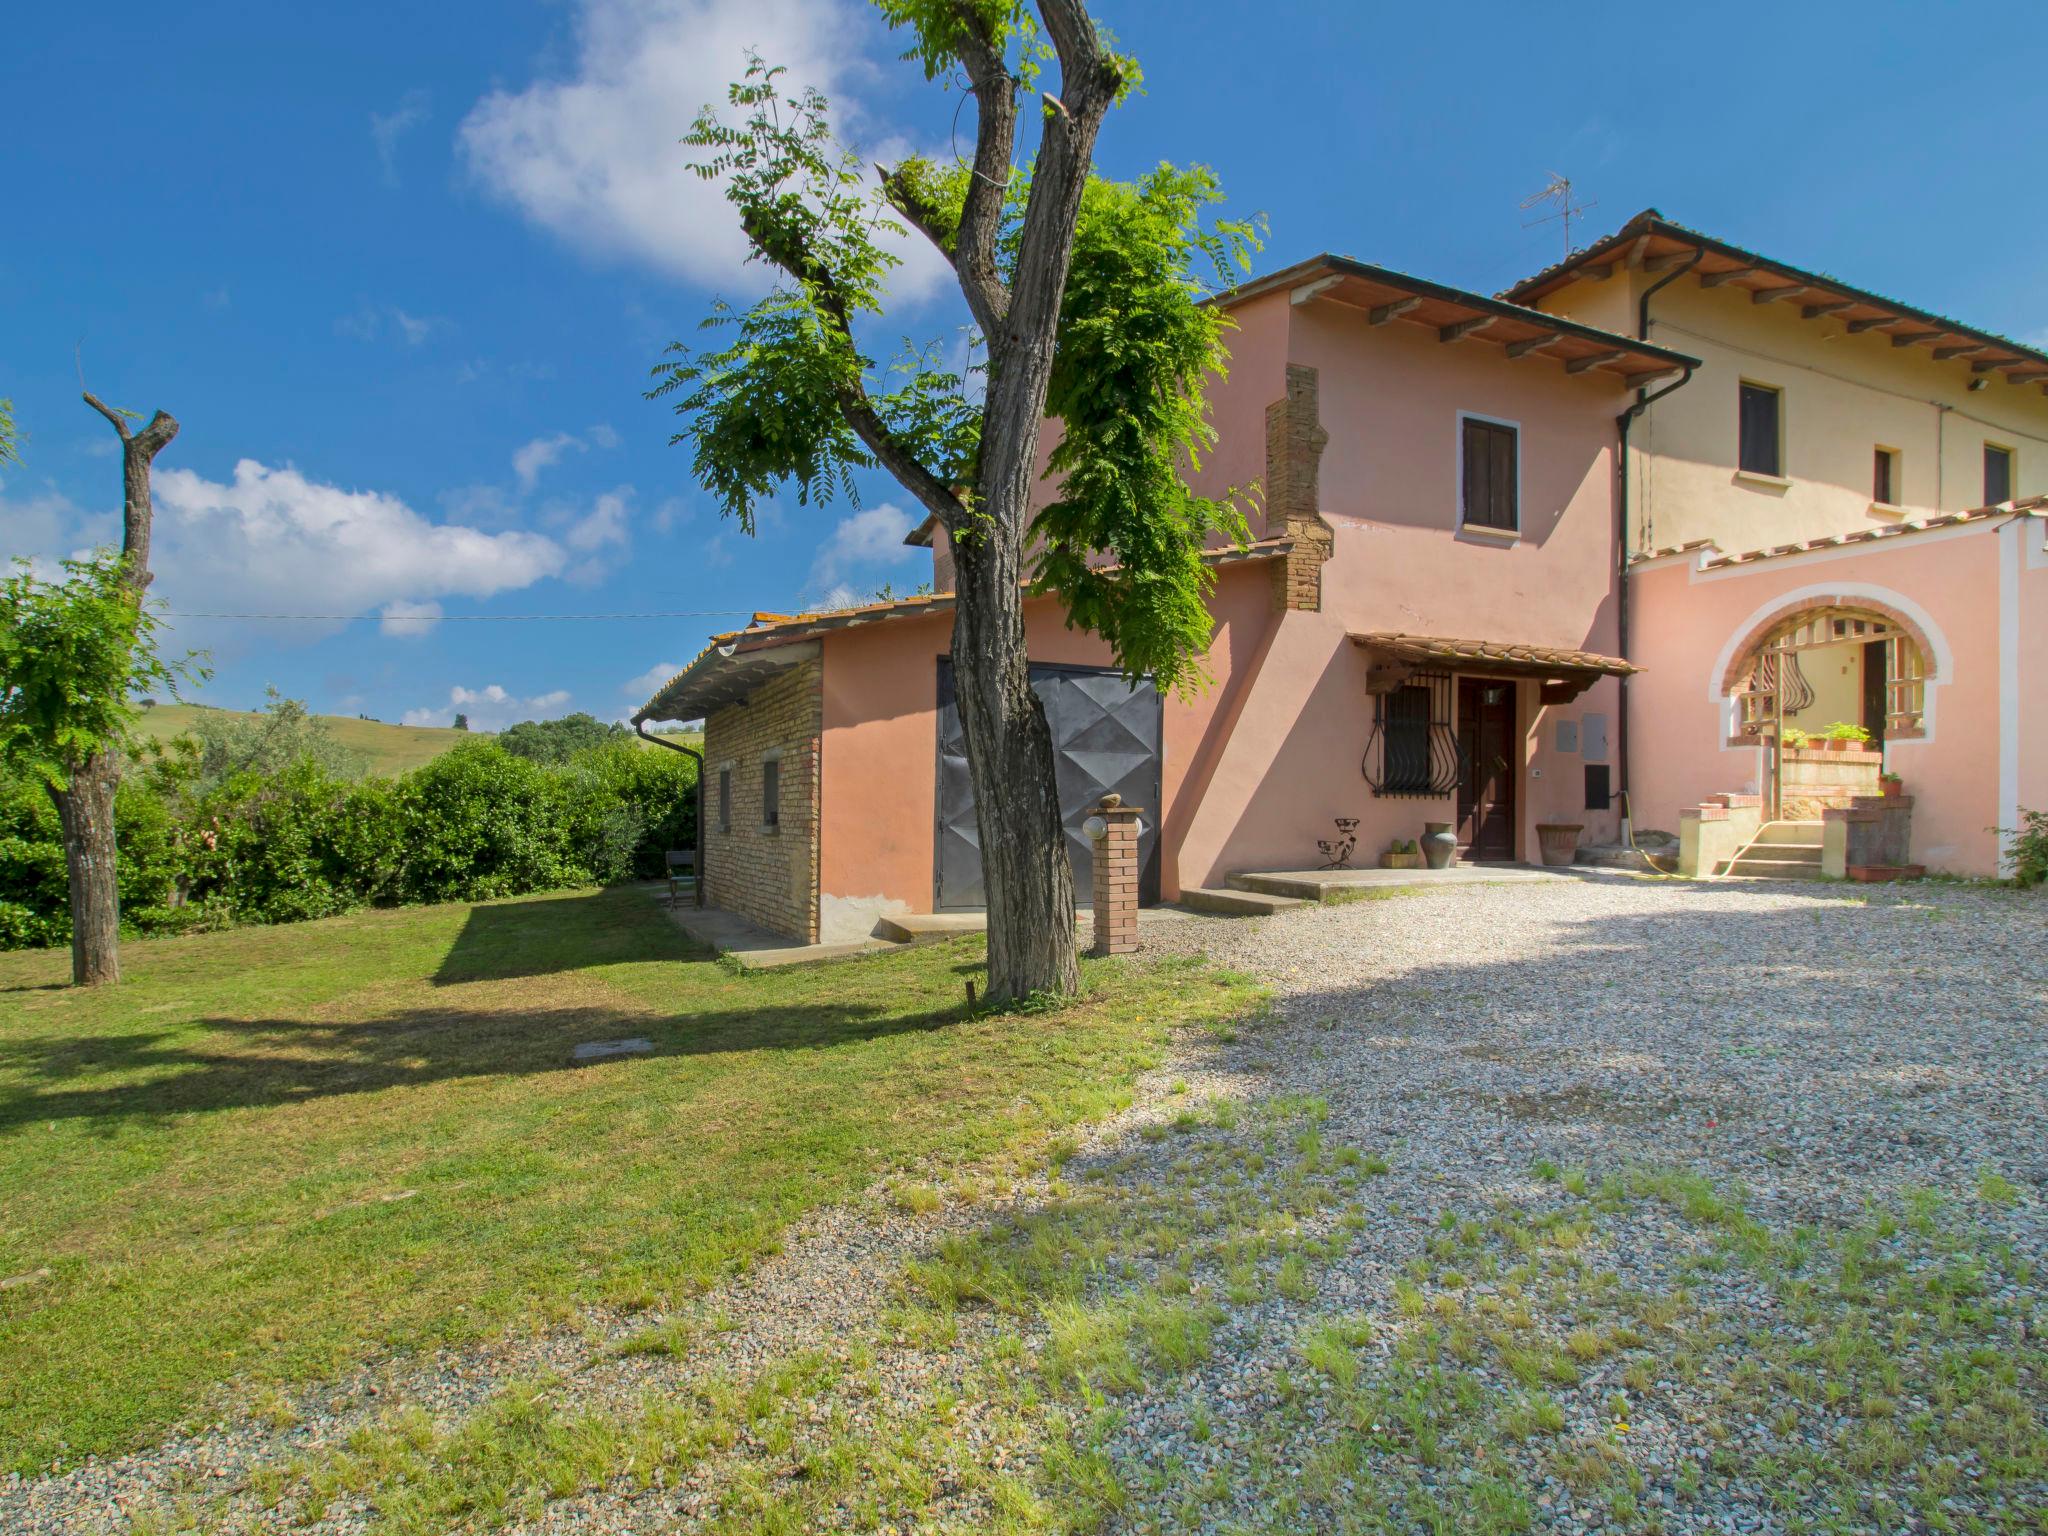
pixel 2012 465
pixel 1782 478
pixel 1486 533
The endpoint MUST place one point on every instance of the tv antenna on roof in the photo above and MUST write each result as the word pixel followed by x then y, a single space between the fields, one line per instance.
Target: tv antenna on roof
pixel 1559 192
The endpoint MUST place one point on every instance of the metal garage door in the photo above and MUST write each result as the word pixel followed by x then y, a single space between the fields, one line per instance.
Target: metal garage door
pixel 1105 740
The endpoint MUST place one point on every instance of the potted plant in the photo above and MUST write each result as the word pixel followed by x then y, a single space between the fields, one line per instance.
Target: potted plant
pixel 1891 784
pixel 1401 854
pixel 1792 738
pixel 1559 840
pixel 1843 737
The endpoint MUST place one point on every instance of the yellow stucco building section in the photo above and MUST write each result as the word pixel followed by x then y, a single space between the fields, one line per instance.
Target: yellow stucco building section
pixel 1842 396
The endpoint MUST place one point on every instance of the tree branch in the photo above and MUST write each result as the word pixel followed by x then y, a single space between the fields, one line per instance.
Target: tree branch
pixel 911 472
pixel 153 438
pixel 988 187
pixel 1088 75
pixel 924 216
pixel 120 423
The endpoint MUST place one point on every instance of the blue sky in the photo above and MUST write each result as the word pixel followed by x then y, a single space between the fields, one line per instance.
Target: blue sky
pixel 400 271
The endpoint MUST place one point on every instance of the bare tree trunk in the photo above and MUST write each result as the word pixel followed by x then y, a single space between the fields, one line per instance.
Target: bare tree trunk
pixel 85 806
pixel 86 810
pixel 1024 866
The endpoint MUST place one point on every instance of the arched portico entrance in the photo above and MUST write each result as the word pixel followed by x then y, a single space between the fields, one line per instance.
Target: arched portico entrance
pixel 1821 668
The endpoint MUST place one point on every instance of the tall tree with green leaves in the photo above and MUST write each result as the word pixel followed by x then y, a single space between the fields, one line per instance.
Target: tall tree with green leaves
pixel 75 656
pixel 1084 297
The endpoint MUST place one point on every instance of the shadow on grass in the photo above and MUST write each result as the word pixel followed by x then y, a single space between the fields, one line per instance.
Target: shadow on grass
pixel 501 940
pixel 253 1063
pixel 225 1062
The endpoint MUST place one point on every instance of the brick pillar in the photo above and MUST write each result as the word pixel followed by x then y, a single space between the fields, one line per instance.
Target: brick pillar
pixel 1116 876
pixel 1295 440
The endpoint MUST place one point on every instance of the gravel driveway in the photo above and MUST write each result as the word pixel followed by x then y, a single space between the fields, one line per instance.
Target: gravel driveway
pixel 1603 1204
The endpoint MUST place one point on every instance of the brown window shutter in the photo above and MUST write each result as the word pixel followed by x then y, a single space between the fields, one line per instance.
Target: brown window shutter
pixel 1505 512
pixel 1477 497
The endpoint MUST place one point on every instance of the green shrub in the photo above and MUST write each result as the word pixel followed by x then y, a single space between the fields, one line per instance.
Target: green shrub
pixel 1842 730
pixel 301 842
pixel 2027 847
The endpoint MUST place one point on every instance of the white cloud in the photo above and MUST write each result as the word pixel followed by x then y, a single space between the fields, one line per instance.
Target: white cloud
pixel 480 370
pixel 273 538
pixel 868 538
pixel 605 523
pixel 530 459
pixel 372 321
pixel 489 708
pixel 387 128
pixel 47 524
pixel 404 619
pixel 643 686
pixel 595 156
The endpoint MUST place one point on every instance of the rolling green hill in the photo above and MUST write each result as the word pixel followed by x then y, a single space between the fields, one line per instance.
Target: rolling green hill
pixel 391 749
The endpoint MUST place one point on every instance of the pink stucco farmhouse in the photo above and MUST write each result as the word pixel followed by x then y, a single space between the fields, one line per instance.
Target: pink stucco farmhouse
pixel 1672 536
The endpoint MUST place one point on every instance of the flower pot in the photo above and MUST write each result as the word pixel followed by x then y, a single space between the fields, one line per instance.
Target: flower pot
pixel 1559 840
pixel 1439 844
pixel 1893 788
pixel 1400 861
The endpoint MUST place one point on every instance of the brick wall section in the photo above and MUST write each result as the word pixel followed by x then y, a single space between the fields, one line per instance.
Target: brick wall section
pixel 1116 879
pixel 768 875
pixel 1295 440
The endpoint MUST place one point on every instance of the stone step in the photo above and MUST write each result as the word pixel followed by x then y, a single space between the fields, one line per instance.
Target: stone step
pixel 1774 869
pixel 928 927
pixel 1238 903
pixel 1802 853
pixel 1789 832
pixel 1278 885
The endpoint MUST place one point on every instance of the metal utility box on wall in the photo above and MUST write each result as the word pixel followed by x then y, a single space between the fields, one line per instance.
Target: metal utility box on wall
pixel 1567 735
pixel 1598 794
pixel 1593 737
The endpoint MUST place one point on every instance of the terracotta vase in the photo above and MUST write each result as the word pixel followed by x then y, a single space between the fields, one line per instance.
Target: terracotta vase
pixel 1559 841
pixel 1439 844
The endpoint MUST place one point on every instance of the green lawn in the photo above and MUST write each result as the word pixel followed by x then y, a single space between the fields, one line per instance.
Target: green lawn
pixel 273 1151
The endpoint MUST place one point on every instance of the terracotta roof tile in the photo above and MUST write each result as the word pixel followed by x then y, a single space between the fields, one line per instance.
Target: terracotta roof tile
pixel 2031 506
pixel 1504 653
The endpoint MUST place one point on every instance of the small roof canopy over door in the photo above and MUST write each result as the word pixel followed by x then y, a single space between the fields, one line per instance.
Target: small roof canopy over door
pixel 1564 674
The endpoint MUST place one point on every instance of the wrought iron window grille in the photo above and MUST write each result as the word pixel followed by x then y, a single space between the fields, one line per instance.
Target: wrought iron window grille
pixel 1413 751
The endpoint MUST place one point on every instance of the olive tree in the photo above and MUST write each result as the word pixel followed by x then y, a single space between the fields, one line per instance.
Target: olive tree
pixel 1084 297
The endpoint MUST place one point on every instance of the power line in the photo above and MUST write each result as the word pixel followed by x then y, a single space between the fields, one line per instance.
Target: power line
pixel 463 618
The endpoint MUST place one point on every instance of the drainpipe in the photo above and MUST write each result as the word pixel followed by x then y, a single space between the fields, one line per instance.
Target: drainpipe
pixel 1643 401
pixel 640 729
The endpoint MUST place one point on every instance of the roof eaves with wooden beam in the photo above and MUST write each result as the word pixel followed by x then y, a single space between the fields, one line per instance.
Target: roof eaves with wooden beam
pixel 1650 242
pixel 1382 296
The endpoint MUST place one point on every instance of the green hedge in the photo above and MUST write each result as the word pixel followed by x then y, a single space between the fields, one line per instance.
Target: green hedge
pixel 476 822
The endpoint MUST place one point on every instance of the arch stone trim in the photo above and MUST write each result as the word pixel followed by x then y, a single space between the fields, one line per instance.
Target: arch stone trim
pixel 1745 653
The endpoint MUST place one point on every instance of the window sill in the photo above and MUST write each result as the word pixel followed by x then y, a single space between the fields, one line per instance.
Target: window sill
pixel 1756 477
pixel 1488 534
pixel 771 829
pixel 1886 509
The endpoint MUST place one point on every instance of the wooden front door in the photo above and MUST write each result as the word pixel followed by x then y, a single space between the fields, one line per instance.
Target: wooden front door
pixel 1876 696
pixel 1486 789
